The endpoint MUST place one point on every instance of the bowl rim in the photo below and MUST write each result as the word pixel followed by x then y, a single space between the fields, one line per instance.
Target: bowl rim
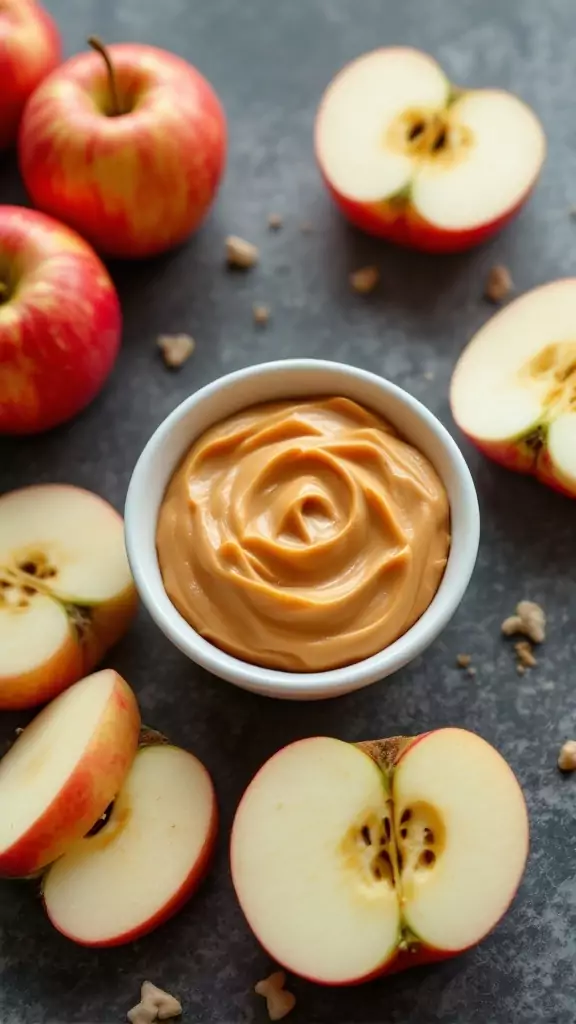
pixel 331 682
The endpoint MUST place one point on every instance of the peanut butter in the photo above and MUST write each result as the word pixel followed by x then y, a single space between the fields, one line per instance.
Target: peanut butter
pixel 303 535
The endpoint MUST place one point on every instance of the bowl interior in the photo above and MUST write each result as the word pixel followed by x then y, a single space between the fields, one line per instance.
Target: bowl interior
pixel 285 380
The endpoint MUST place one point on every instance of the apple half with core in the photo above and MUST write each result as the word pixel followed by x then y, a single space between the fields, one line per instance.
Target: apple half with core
pixel 147 859
pixel 62 772
pixel 127 145
pixel 66 591
pixel 29 50
pixel 408 157
pixel 60 322
pixel 513 390
pixel 353 860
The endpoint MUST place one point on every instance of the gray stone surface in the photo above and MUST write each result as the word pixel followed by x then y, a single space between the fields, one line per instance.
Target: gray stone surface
pixel 270 62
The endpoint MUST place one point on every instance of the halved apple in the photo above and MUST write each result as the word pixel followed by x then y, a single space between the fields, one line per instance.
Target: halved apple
pixel 66 592
pixel 62 772
pixel 513 390
pixel 352 860
pixel 408 157
pixel 147 859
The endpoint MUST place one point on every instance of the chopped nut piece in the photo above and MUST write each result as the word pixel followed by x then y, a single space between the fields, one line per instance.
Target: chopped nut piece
pixel 498 284
pixel 530 620
pixel 365 280
pixel 261 314
pixel 240 253
pixel 176 349
pixel 463 660
pixel 567 757
pixel 275 221
pixel 155 1004
pixel 279 1003
pixel 524 653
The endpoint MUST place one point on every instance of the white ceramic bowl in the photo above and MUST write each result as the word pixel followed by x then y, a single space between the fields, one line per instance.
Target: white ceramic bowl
pixel 295 378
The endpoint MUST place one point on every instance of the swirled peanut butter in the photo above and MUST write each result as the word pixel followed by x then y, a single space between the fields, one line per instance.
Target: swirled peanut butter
pixel 303 535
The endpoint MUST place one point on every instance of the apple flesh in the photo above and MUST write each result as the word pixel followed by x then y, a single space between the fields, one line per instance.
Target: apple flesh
pixel 353 860
pixel 513 391
pixel 60 322
pixel 409 158
pixel 146 861
pixel 133 161
pixel 29 50
pixel 66 592
pixel 64 769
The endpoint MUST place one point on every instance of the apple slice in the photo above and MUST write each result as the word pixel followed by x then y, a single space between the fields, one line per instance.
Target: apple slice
pixel 66 592
pixel 513 390
pixel 147 859
pixel 408 157
pixel 62 772
pixel 350 861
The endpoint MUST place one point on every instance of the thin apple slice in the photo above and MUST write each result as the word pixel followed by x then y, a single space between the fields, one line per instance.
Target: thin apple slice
pixel 513 390
pixel 146 860
pixel 311 863
pixel 64 769
pixel 462 829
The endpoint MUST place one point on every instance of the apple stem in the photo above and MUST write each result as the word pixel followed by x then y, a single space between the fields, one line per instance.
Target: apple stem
pixel 100 48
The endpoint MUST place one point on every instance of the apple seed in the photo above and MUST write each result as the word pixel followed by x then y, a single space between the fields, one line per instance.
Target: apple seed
pixel 365 280
pixel 279 1002
pixel 261 314
pixel 499 284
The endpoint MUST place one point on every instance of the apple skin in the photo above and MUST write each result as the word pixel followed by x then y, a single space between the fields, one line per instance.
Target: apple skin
pixel 85 796
pixel 186 890
pixel 134 185
pixel 29 50
pixel 60 330
pixel 404 226
pixel 521 458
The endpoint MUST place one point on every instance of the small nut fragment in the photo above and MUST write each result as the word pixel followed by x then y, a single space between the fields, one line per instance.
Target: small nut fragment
pixel 155 1004
pixel 530 620
pixel 463 660
pixel 261 314
pixel 498 284
pixel 275 221
pixel 524 654
pixel 567 757
pixel 176 349
pixel 365 280
pixel 240 253
pixel 279 1002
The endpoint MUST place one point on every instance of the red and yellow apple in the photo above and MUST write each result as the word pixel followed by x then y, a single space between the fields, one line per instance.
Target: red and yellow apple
pixel 513 390
pixel 66 591
pixel 63 771
pixel 127 145
pixel 29 50
pixel 60 322
pixel 408 157
pixel 350 861
pixel 130 876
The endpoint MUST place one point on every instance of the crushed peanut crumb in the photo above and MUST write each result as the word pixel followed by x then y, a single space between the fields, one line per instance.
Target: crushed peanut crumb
pixel 275 221
pixel 463 660
pixel 240 253
pixel 365 280
pixel 530 620
pixel 498 284
pixel 155 1004
pixel 176 349
pixel 524 654
pixel 567 757
pixel 261 314
pixel 279 1002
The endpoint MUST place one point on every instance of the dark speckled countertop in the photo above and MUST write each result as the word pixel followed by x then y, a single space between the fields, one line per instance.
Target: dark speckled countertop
pixel 270 62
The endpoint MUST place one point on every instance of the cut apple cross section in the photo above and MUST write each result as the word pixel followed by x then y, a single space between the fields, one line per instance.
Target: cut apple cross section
pixel 408 157
pixel 64 769
pixel 151 853
pixel 66 592
pixel 349 861
pixel 513 390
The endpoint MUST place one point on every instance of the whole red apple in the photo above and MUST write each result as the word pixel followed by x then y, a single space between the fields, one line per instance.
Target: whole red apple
pixel 29 50
pixel 60 322
pixel 127 145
